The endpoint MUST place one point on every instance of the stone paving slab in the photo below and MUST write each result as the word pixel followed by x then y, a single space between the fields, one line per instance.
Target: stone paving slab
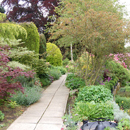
pixel 51 120
pixel 48 127
pixel 22 126
pixel 45 114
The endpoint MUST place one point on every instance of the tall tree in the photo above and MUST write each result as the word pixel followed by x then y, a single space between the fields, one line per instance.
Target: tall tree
pixel 36 11
pixel 70 9
pixel 99 31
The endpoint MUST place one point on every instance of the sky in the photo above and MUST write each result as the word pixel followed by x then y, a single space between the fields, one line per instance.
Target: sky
pixel 122 2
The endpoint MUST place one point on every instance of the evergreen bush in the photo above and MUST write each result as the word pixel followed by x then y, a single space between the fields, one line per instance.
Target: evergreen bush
pixel 42 48
pixel 12 31
pixel 54 55
pixel 32 40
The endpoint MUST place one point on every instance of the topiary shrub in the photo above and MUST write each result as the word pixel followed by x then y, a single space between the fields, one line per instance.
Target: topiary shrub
pixel 32 40
pixel 11 30
pixel 42 48
pixel 54 55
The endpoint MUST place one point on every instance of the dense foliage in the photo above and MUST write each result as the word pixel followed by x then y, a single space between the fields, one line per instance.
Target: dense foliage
pixel 123 102
pixel 117 70
pixel 8 76
pixel 12 30
pixel 42 48
pixel 75 83
pixel 94 93
pixel 32 40
pixel 92 110
pixel 54 55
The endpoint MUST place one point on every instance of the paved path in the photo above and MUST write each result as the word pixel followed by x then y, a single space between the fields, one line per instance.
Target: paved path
pixel 47 113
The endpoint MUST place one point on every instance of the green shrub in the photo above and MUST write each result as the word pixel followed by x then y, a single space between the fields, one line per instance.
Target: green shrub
pixel 29 58
pixel 124 91
pixel 15 64
pixel 94 93
pixel 2 116
pixel 42 48
pixel 29 81
pixel 45 81
pixel 92 110
pixel 124 124
pixel 32 40
pixel 110 84
pixel 55 73
pixel 75 83
pixel 70 67
pixel 117 70
pixel 12 104
pixel 12 30
pixel 30 96
pixel 65 61
pixel 70 76
pixel 54 55
pixel 61 68
pixel 123 102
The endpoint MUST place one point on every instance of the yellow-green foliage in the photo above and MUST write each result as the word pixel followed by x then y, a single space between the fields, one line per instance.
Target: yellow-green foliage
pixel 32 40
pixel 54 55
pixel 11 30
pixel 15 64
pixel 2 17
pixel 11 42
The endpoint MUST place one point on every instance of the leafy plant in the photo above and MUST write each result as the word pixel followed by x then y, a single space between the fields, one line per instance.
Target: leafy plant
pixel 55 73
pixel 30 96
pixel 117 70
pixel 12 104
pixel 70 76
pixel 94 93
pixel 111 83
pixel 75 83
pixel 92 110
pixel 65 61
pixel 69 122
pixel 123 102
pixel 45 81
pixel 124 124
pixel 61 68
pixel 1 116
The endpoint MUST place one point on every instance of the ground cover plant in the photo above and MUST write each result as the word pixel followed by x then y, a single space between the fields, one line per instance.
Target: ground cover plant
pixel 92 110
pixel 94 93
pixel 74 82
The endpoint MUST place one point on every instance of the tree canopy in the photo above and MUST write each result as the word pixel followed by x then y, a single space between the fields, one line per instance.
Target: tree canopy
pixel 93 25
pixel 31 11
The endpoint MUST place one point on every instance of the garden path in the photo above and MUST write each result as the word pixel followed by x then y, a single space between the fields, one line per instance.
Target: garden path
pixel 47 113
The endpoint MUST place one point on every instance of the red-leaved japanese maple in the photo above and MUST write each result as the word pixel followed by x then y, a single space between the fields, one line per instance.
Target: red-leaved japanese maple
pixel 8 84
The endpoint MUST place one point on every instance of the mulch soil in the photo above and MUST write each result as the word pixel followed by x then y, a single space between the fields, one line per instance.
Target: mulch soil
pixel 10 115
